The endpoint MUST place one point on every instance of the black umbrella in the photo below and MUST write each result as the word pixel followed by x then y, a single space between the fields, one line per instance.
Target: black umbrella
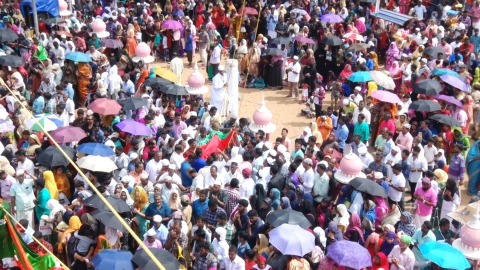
pixel 288 216
pixel 174 89
pixel 433 51
pixel 281 40
pixel 368 186
pixel 446 120
pixel 11 60
pixel 332 41
pixel 108 219
pixel 7 35
pixel 157 82
pixel 425 106
pixel 273 51
pixel 112 43
pixel 52 157
pixel 357 47
pixel 133 103
pixel 143 261
pixel 54 21
pixel 119 205
pixel 427 87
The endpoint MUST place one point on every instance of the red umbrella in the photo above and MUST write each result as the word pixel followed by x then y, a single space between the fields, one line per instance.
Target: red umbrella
pixel 105 106
pixel 68 134
pixel 248 11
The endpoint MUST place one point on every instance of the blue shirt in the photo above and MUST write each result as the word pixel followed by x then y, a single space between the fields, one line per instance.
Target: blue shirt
pixel 164 211
pixel 189 44
pixel 199 163
pixel 38 105
pixel 453 58
pixel 341 134
pixel 369 64
pixel 198 208
pixel 186 180
pixel 426 135
pixel 69 91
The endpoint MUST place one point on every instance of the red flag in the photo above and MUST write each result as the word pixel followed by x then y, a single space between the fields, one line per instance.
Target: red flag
pixel 21 255
pixel 215 143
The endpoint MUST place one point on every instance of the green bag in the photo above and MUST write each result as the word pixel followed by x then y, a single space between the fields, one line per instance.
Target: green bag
pixel 210 72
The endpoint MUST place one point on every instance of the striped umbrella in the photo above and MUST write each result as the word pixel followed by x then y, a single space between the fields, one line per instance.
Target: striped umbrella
pixel 48 124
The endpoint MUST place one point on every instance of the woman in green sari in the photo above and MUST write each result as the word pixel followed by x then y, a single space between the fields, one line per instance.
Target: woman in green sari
pixel 140 198
pixel 43 196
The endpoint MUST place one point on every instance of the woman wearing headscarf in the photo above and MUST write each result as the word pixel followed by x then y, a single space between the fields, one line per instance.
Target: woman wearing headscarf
pixel 140 197
pixel 174 201
pixel 380 262
pixel 261 264
pixel 50 184
pixel 275 196
pixel 450 197
pixel 406 224
pixel 257 199
pixel 354 231
pixel 308 211
pixel 369 211
pixel 388 243
pixel 131 42
pixel 262 247
pixel 43 196
pixel 342 218
pixel 344 196
pixel 285 203
pixel 346 72
pixel 242 51
pixel 84 75
pixel 34 143
pixel 333 233
pixel 392 55
pixel 74 225
pixel 63 184
pixel 125 196
pixel 396 74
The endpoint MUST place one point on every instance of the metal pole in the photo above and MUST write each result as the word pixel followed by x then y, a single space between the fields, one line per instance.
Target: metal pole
pixel 35 17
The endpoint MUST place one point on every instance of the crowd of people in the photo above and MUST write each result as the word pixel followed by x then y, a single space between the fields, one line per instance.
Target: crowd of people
pixel 211 211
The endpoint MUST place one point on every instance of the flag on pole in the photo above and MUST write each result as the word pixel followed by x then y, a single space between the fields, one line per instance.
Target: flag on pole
pixel 221 136
pixel 12 246
pixel 218 142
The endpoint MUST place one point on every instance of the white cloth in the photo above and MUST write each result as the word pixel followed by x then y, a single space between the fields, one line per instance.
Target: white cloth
pixel 406 259
pixel 397 181
pixel 237 264
pixel 232 87
pixel 176 66
pixel 218 93
pixel 294 67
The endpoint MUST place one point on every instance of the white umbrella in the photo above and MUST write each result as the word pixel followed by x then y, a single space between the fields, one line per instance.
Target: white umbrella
pixel 354 36
pixel 299 11
pixel 292 240
pixel 97 164
pixel 382 79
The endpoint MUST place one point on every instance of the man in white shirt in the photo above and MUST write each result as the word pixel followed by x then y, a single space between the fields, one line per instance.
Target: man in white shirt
pixel 23 163
pixel 430 151
pixel 230 171
pixel 307 178
pixel 293 76
pixel 247 186
pixel 391 159
pixel 177 156
pixel 321 182
pixel 153 166
pixel 420 11
pixel 233 262
pixel 418 165
pixel 69 107
pixel 365 156
pixel 23 198
pixel 397 185
pixel 361 109
pixel 215 57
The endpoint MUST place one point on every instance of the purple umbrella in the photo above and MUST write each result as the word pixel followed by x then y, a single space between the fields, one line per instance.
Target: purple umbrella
pixel 304 40
pixel 349 254
pixel 134 128
pixel 172 25
pixel 450 99
pixel 331 18
pixel 455 82
pixel 112 43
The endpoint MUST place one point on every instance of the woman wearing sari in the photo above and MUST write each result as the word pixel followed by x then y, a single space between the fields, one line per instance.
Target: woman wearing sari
pixel 131 43
pixel 396 74
pixel 74 225
pixel 140 197
pixel 346 72
pixel 392 55
pixel 84 75
pixel 50 184
pixel 63 184
pixel 43 196
pixel 472 163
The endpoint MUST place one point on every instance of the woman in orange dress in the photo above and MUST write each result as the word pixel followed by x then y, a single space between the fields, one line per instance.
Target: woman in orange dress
pixel 131 41
pixel 84 75
pixel 61 179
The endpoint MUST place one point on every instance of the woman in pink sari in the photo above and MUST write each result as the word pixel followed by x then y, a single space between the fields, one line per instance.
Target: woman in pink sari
pixel 468 108
pixel 391 55
pixel 360 25
pixel 396 74
pixel 346 72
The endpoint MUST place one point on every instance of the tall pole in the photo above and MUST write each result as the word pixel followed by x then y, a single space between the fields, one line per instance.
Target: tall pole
pixel 35 17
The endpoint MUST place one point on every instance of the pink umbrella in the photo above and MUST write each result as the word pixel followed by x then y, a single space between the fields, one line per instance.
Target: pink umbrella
pixel 105 106
pixel 304 40
pixel 248 11
pixel 68 134
pixel 354 36
pixel 385 96
pixel 172 25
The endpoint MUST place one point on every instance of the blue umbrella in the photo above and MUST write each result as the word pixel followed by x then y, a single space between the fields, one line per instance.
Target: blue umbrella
pixel 51 117
pixel 78 57
pixel 444 255
pixel 444 71
pixel 113 259
pixel 360 76
pixel 96 149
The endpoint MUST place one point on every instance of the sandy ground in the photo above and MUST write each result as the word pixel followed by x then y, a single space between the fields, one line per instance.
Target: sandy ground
pixel 285 111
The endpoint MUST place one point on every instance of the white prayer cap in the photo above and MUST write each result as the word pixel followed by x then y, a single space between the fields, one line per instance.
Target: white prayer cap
pixel 221 68
pixel 165 162
pixel 157 218
pixel 151 232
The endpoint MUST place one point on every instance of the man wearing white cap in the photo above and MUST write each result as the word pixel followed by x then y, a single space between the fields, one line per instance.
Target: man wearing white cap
pixel 151 240
pixel 23 199
pixel 420 10
pixel 293 76
pixel 405 139
pixel 391 159
pixel 154 165
pixel 160 230
pixel 365 156
pixel 218 90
